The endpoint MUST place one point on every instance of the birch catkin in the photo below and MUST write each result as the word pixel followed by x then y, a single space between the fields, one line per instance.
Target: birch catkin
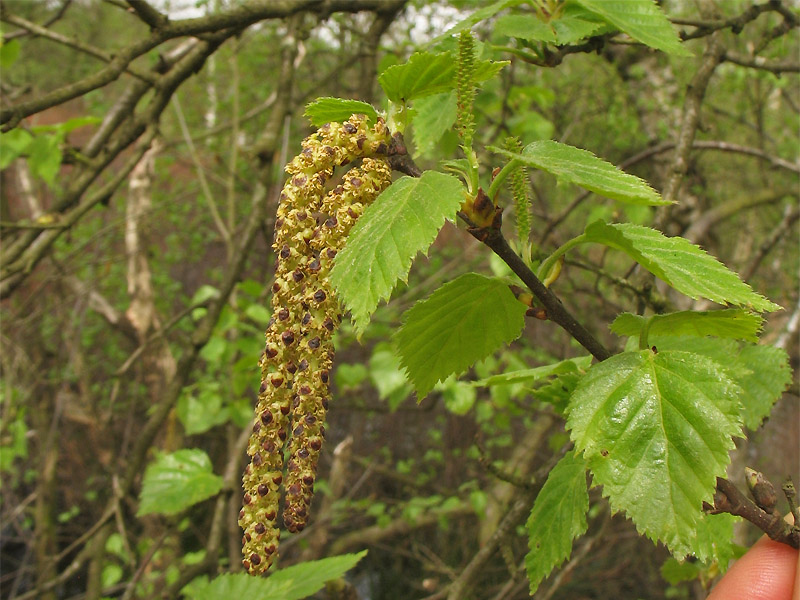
pixel 310 228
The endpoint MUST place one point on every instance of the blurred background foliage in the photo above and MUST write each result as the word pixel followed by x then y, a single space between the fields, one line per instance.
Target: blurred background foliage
pixel 422 486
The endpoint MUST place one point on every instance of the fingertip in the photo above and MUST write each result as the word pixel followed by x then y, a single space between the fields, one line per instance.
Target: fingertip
pixel 766 572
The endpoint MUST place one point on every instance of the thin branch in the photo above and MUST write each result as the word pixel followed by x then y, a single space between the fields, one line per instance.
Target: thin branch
pixel 691 116
pixel 507 526
pixel 74 44
pixel 212 205
pixel 729 499
pixel 493 238
pixel 230 22
pixel 148 14
pixel 758 62
pixel 56 17
pixel 790 216
pixel 704 27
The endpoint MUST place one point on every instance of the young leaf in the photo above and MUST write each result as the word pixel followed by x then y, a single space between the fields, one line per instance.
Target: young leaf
pixel 557 518
pixel 479 15
pixel 424 74
pixel 176 481
pixel 734 323
pixel 570 29
pixel 45 157
pixel 656 430
pixel 9 52
pixel 574 165
pixel 640 19
pixel 428 73
pixel 768 375
pixel 12 144
pixel 715 539
pixel 463 321
pixel 292 583
pixel 403 221
pixel 433 116
pixel 525 27
pixel 533 375
pixel 679 263
pixel 325 110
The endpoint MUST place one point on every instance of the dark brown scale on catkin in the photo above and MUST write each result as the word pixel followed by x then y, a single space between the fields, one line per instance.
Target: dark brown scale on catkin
pixel 287 342
pixel 312 385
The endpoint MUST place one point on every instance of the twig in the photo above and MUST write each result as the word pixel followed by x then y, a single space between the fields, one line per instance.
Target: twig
pixel 493 238
pixel 507 526
pixel 74 44
pixel 728 499
pixel 758 62
pixel 691 116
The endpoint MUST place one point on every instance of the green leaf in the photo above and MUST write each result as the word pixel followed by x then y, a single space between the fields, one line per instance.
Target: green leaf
pixel 679 263
pixel 714 541
pixel 12 144
pixel 428 73
pixel 656 430
pixel 526 27
pixel 61 129
pixel 479 15
pixel 387 376
pixel 9 53
pixel 762 372
pixel 581 167
pixel 463 321
pixel 326 110
pixel 45 157
pixel 734 323
pixel 557 518
pixel 675 572
pixel 640 19
pixel 403 221
pixel 459 397
pixel 570 29
pixel 201 411
pixel 768 375
pixel 292 583
pixel 258 313
pixel 176 481
pixel 537 373
pixel 433 116
pixel 424 74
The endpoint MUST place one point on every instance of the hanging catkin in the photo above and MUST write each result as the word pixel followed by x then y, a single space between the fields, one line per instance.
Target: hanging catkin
pixel 310 228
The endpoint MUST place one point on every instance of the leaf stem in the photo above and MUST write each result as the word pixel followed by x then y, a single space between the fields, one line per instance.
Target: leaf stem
pixel 548 262
pixel 501 176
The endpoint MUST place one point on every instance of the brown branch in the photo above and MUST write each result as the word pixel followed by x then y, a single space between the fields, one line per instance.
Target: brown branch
pixel 791 214
pixel 705 27
pixel 231 22
pixel 56 17
pixel 720 145
pixel 148 14
pixel 729 499
pixel 556 312
pixel 493 238
pixel 757 62
pixel 73 43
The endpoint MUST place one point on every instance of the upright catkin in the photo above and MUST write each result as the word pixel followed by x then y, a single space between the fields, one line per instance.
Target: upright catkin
pixel 310 228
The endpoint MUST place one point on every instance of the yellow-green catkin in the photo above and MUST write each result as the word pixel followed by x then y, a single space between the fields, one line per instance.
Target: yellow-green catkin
pixel 343 206
pixel 288 352
pixel 465 87
pixel 518 184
